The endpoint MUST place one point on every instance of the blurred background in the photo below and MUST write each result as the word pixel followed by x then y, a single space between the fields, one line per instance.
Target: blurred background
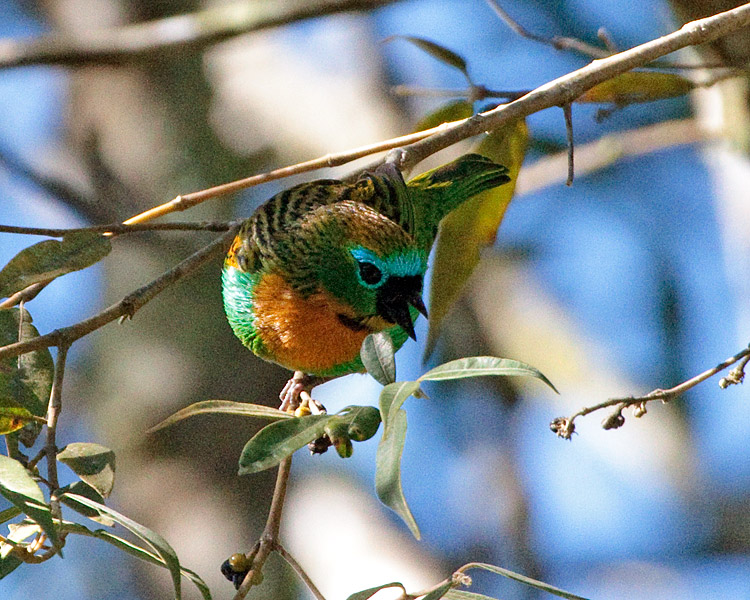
pixel 634 278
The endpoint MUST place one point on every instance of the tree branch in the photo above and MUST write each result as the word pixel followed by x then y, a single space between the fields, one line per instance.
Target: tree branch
pixel 269 539
pixel 300 572
pixel 120 228
pixel 182 33
pixel 125 307
pixel 564 427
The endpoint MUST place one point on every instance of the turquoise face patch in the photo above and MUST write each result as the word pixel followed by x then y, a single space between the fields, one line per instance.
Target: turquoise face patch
pixel 407 263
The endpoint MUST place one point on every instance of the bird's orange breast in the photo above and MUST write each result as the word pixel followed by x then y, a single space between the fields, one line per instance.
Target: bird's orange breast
pixel 303 333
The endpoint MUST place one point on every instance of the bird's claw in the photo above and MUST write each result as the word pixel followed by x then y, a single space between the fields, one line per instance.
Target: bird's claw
pixel 295 396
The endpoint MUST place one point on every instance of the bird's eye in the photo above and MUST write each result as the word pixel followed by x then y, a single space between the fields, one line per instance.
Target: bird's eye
pixel 370 274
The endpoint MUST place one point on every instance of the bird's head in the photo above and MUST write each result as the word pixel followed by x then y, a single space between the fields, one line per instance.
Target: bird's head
pixel 365 261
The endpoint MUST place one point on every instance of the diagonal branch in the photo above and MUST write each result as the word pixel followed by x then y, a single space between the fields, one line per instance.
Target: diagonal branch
pixel 125 307
pixel 190 32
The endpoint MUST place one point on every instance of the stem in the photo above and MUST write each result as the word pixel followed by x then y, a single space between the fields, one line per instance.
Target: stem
pixel 299 571
pixel 269 540
pixel 125 307
pixel 53 412
pixel 120 228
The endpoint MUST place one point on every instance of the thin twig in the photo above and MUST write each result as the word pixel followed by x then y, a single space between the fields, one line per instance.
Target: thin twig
pixel 565 427
pixel 121 228
pixel 181 33
pixel 125 307
pixel 559 92
pixel 270 537
pixel 568 113
pixel 299 571
pixel 577 45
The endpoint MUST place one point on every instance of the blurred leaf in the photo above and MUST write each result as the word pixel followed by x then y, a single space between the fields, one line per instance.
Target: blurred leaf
pixel 379 358
pixel 137 551
pixel 13 416
pixel 276 441
pixel 441 53
pixel 159 545
pixel 540 585
pixel 463 595
pixel 453 111
pixel 19 532
pixel 226 407
pixel 481 366
pixel 473 226
pixel 26 380
pixel 21 490
pixel 9 513
pixel 49 259
pixel 439 592
pixel 93 463
pixel 365 594
pixel 391 399
pixel 84 489
pixel 637 86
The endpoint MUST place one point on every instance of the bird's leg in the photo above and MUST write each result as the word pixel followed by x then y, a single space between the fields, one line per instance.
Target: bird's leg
pixel 295 397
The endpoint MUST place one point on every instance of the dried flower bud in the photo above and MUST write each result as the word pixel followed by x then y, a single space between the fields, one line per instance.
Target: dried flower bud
pixel 614 421
pixel 639 410
pixel 563 427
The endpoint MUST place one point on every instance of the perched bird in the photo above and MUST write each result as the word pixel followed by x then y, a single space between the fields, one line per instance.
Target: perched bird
pixel 320 266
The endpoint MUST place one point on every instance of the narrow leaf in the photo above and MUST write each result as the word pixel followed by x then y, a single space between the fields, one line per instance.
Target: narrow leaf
pixel 473 226
pixel 225 407
pixel 439 592
pixel 379 357
pixel 21 490
pixel 84 489
pixel 637 86
pixel 138 552
pixel 276 441
pixel 441 53
pixel 9 513
pixel 49 259
pixel 464 595
pixel 365 594
pixel 392 397
pixel 159 545
pixel 12 416
pixel 93 463
pixel 480 366
pixel 388 470
pixel 25 381
pixel 540 585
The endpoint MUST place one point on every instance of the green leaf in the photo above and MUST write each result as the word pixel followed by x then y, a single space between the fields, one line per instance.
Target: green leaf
pixel 480 366
pixel 157 543
pixel 441 53
pixel 388 471
pixel 21 490
pixel 276 441
pixel 9 513
pixel 365 594
pixel 439 592
pixel 379 357
pixel 540 585
pixel 225 407
pixel 637 86
pixel 26 380
pixel 473 226
pixel 93 463
pixel 363 421
pixel 84 489
pixel 137 551
pixel 19 532
pixel 392 397
pixel 453 111
pixel 43 262
pixel 13 416
pixel 464 595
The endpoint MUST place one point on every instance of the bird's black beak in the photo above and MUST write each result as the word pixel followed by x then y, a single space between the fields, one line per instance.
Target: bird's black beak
pixel 396 296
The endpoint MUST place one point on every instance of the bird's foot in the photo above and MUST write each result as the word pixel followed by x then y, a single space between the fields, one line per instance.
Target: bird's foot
pixel 295 397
